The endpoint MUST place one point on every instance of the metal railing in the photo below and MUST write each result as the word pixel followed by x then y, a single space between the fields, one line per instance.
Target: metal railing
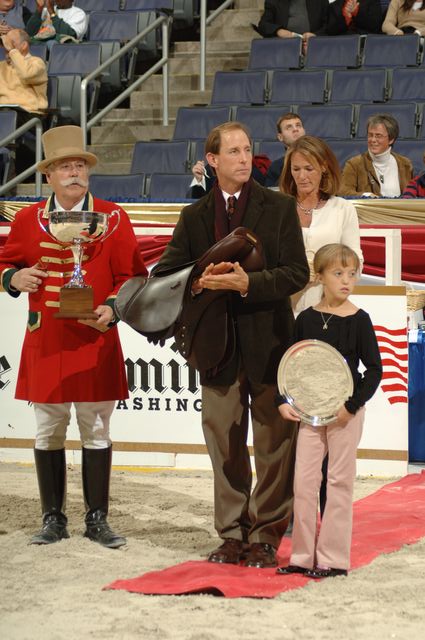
pixel 34 122
pixel 204 22
pixel 163 21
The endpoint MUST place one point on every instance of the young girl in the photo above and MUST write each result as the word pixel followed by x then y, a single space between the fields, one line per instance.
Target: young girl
pixel 338 322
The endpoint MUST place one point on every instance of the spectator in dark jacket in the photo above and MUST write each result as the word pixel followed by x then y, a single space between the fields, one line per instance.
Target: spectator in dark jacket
pixel 293 18
pixel 12 16
pixel 354 16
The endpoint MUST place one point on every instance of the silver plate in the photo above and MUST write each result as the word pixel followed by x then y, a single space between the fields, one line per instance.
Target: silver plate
pixel 316 380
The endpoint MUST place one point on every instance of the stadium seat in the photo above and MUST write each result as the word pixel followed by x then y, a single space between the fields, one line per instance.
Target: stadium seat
pixel 407 85
pixel 392 51
pixel 117 187
pixel 167 187
pixel 331 52
pixel 7 125
pixel 261 121
pixel 358 85
pixel 346 149
pixel 405 113
pixel 160 157
pixel 297 87
pixel 196 122
pixel 98 5
pixel 143 5
pixel 327 121
pixel 273 149
pixel 38 49
pixel 275 53
pixel 69 63
pixel 414 150
pixel 244 87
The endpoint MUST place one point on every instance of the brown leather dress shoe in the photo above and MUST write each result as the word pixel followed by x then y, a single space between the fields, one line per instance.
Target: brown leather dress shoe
pixel 261 555
pixel 229 552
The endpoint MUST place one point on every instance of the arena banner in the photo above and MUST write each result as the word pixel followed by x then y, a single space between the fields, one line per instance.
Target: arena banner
pixel 160 423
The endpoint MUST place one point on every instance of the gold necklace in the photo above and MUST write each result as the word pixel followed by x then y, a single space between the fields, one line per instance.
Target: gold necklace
pixel 326 322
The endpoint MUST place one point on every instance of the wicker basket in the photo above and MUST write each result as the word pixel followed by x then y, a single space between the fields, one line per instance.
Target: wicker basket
pixel 415 299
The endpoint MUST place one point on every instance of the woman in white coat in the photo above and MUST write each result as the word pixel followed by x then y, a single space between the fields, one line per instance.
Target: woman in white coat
pixel 312 175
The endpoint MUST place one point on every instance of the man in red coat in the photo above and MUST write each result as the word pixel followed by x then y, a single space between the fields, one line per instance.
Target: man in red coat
pixel 66 361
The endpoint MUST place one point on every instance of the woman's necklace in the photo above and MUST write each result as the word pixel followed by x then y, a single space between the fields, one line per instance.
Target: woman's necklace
pixel 326 322
pixel 306 209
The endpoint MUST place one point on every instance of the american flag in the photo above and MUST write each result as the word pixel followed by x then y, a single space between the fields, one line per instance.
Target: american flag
pixel 394 354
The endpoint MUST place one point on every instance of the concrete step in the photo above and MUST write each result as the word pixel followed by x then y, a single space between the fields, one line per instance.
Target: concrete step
pixel 177 82
pixel 143 99
pixel 129 133
pixel 190 64
pixel 237 17
pixel 113 168
pixel 239 43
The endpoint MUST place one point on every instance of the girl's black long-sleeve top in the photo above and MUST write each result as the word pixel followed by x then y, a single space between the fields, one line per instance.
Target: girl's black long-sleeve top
pixel 354 337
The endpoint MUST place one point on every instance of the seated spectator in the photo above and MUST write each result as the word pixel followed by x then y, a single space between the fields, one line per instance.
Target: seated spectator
pixel 293 19
pixel 12 15
pixel 379 172
pixel 354 16
pixel 405 16
pixel 416 187
pixel 289 129
pixel 204 176
pixel 60 21
pixel 23 77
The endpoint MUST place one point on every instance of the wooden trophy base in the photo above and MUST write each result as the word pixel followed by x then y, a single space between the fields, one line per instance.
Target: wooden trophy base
pixel 76 303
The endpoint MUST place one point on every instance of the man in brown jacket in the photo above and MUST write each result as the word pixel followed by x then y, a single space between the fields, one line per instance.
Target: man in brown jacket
pixel 378 172
pixel 250 524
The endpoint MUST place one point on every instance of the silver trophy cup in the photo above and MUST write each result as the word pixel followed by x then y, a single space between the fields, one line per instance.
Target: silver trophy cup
pixel 75 229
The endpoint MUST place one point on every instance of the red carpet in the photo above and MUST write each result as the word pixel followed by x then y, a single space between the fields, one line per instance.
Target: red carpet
pixel 383 522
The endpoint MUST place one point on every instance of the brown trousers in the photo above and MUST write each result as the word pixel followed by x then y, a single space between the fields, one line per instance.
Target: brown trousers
pixel 263 515
pixel 331 548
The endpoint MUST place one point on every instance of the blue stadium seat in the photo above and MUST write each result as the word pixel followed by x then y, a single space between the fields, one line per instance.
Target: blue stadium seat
pixel 160 157
pixel 98 5
pixel 346 149
pixel 143 5
pixel 167 187
pixel 196 122
pixel 273 149
pixel 117 187
pixel 261 121
pixel 275 53
pixel 297 87
pixel 407 85
pixel 7 125
pixel 391 51
pixel 414 150
pixel 239 87
pixel 78 59
pixel 332 52
pixel 327 121
pixel 359 85
pixel 405 113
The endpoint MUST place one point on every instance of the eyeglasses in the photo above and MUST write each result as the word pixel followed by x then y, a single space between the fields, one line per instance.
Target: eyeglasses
pixel 376 136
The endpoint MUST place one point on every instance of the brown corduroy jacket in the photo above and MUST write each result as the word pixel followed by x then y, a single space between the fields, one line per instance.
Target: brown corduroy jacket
pixel 359 176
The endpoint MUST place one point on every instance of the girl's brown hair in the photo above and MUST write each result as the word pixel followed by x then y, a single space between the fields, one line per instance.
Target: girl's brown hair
pixel 333 253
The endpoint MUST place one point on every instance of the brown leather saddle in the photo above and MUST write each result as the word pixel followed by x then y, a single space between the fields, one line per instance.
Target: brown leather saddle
pixel 162 305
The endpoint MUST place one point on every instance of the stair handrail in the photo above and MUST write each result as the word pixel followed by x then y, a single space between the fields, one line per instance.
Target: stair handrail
pixel 204 22
pixel 164 21
pixel 17 133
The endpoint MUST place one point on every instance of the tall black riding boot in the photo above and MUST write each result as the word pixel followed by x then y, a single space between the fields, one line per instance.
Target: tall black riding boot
pixel 51 476
pixel 96 475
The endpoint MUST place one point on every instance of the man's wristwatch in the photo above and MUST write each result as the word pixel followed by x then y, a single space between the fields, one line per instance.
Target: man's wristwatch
pixel 52 15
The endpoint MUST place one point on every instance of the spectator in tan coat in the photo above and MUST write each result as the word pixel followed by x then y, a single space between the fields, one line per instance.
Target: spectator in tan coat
pixel 23 77
pixel 379 172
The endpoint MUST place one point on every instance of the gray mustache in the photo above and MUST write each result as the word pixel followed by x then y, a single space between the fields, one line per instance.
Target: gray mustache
pixel 75 180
